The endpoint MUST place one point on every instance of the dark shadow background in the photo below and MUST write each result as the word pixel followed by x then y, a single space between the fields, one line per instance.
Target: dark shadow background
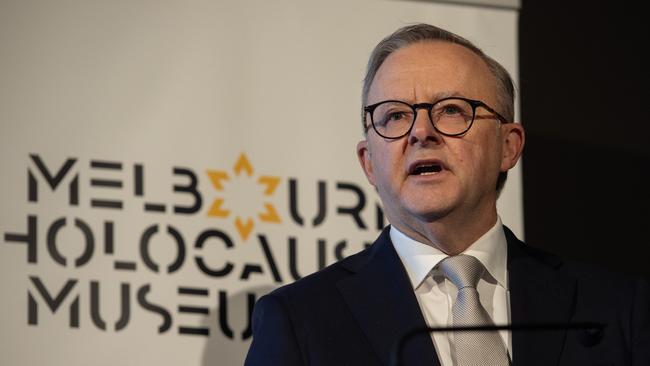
pixel 584 80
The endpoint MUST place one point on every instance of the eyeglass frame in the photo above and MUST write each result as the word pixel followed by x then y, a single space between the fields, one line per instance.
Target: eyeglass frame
pixel 429 107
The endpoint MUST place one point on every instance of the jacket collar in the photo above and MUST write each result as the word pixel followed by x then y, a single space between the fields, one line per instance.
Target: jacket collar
pixel 540 293
pixel 380 296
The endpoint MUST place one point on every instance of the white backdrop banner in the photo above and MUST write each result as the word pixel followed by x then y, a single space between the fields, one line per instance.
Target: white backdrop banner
pixel 166 163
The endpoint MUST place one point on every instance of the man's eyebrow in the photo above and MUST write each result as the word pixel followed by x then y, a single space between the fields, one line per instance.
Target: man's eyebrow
pixel 443 95
pixel 436 97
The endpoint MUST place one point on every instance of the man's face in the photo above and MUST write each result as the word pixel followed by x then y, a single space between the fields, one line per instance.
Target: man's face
pixel 470 163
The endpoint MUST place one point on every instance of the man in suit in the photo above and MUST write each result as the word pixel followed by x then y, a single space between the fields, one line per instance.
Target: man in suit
pixel 440 137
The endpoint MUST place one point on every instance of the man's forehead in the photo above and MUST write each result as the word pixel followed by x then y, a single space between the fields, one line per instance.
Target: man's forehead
pixel 436 69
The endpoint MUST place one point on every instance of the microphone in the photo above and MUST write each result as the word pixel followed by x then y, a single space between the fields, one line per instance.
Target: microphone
pixel 592 333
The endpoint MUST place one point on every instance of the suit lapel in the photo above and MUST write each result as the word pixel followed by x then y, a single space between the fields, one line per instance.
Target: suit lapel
pixel 539 294
pixel 381 298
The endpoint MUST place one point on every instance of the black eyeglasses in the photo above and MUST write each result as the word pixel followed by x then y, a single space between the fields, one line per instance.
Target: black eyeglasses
pixel 393 119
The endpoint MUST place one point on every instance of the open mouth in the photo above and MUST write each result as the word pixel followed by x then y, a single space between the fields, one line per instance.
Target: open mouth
pixel 425 169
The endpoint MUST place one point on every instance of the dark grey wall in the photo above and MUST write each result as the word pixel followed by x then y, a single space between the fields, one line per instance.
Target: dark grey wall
pixel 584 88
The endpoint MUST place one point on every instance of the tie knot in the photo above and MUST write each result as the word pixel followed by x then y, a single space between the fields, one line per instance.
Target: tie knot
pixel 462 270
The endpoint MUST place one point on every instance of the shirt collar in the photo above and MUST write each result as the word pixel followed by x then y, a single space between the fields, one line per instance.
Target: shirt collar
pixel 419 258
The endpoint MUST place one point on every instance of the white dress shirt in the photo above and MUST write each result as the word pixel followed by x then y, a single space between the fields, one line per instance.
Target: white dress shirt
pixel 436 295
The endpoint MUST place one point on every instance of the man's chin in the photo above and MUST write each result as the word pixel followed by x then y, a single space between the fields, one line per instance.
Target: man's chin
pixel 427 212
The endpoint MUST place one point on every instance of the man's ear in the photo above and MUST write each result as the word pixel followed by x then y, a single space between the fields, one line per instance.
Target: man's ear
pixel 364 159
pixel 513 138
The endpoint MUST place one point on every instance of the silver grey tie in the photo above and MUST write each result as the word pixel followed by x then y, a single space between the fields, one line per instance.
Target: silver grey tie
pixel 472 348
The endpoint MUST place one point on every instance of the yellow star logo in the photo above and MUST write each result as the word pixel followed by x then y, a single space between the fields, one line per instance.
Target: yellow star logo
pixel 244 225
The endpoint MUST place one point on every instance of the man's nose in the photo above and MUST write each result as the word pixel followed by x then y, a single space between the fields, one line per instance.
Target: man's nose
pixel 423 131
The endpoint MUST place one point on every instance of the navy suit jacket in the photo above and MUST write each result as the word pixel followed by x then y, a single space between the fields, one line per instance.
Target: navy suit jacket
pixel 354 312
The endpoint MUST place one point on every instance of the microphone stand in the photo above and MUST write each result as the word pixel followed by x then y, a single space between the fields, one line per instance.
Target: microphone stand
pixel 593 333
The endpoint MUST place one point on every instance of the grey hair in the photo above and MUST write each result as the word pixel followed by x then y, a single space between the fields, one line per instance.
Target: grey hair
pixel 420 32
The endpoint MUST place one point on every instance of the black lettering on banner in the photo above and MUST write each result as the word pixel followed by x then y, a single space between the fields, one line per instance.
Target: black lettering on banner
pixel 322 204
pixel 109 248
pixel 52 303
pixel 54 252
pixel 100 203
pixel 124 265
pixel 126 309
pixel 125 300
pixel 155 207
pixel 138 190
pixel 106 183
pixel 354 211
pixel 193 291
pixel 248 332
pixel 142 300
pixel 99 164
pixel 338 250
pixel 293 203
pixel 191 189
pixel 29 238
pixel 223 316
pixel 200 241
pixel 293 265
pixel 192 309
pixel 144 248
pixel 138 180
pixel 250 268
pixel 52 181
pixel 109 229
pixel 64 178
pixel 322 255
